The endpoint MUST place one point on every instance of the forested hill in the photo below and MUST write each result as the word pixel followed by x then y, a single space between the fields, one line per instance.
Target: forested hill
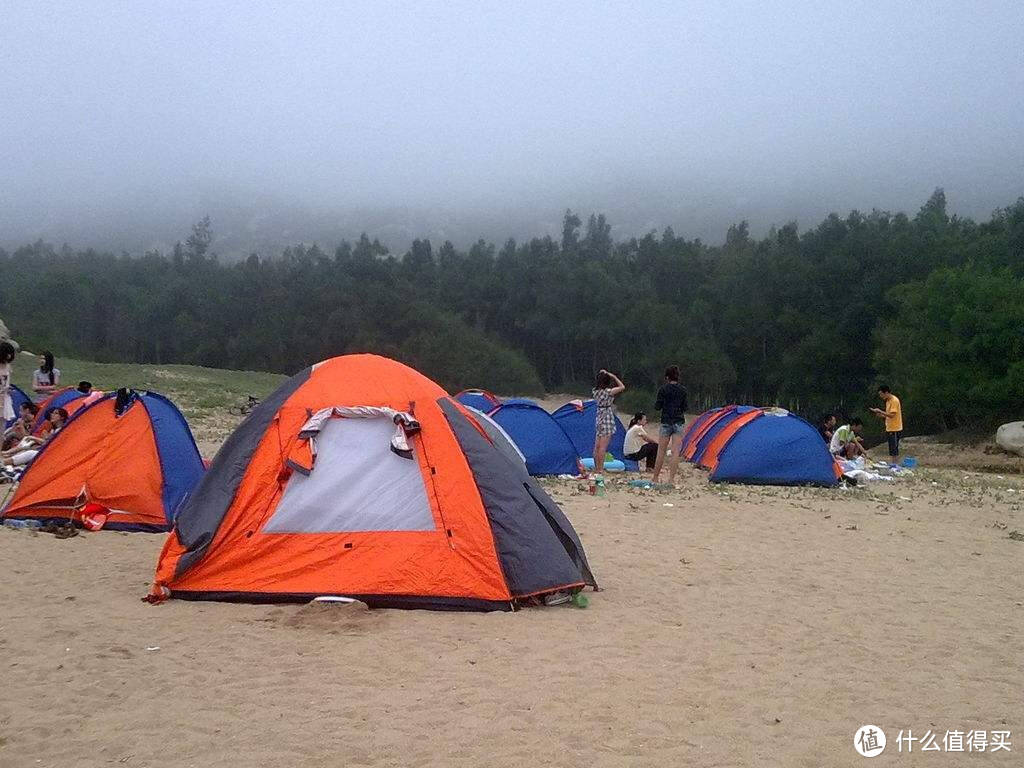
pixel 932 304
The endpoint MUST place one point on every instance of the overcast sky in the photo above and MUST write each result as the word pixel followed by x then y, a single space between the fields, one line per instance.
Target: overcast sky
pixel 682 113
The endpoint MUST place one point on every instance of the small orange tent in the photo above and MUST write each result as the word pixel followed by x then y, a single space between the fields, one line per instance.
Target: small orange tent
pixel 129 452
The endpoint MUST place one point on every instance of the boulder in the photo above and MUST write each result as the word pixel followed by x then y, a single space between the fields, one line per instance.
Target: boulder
pixel 1010 437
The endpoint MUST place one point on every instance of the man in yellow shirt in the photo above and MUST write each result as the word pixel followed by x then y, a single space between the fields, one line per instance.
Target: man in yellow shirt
pixel 893 415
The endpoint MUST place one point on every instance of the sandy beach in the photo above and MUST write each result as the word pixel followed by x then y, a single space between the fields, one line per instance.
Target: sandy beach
pixel 737 626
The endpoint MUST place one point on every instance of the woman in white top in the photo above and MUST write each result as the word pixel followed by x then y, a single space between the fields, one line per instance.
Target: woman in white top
pixel 7 353
pixel 638 444
pixel 46 378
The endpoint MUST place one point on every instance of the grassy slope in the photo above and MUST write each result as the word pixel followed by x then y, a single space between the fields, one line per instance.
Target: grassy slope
pixel 204 395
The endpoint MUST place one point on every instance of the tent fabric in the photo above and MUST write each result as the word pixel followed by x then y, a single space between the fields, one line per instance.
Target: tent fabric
pixel 141 463
pixel 498 436
pixel 579 420
pixel 695 430
pixel 714 426
pixel 522 523
pixel 542 441
pixel 18 398
pixel 478 399
pixel 434 530
pixel 770 446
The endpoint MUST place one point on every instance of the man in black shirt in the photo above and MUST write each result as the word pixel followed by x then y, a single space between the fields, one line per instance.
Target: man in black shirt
pixel 671 401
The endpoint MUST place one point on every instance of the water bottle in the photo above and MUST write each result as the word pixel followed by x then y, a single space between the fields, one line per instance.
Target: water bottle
pixel 599 482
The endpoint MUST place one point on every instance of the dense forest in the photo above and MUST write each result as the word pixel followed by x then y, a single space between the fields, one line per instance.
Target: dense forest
pixel 932 304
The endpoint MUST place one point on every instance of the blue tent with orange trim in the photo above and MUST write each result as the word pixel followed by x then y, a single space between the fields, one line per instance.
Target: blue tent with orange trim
pixel 761 446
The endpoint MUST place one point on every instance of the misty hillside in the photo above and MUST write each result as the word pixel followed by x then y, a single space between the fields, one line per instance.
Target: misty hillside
pixel 810 319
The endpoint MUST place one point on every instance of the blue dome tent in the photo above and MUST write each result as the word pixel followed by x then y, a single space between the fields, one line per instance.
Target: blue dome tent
pixel 545 445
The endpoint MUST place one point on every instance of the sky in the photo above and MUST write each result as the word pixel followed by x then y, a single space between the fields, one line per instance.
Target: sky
pixel 122 122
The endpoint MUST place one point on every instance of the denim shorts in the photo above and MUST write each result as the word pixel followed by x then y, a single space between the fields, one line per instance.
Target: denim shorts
pixel 667 430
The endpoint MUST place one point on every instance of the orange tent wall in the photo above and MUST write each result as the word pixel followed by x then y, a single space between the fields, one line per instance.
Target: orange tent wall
pixel 97 458
pixel 457 559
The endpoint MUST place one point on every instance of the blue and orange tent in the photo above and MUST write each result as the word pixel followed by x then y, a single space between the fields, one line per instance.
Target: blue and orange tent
pixel 548 450
pixel 130 453
pixel 769 446
pixel 579 420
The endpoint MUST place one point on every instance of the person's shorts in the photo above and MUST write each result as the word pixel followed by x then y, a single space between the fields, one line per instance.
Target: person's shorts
pixel 667 430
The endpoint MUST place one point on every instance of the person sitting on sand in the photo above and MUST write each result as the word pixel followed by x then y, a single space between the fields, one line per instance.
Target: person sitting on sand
pixel 846 442
pixel 22 427
pixel 46 378
pixel 827 427
pixel 671 401
pixel 606 387
pixel 29 446
pixel 638 444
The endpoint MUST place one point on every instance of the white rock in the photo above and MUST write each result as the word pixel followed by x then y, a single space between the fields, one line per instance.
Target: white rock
pixel 1010 437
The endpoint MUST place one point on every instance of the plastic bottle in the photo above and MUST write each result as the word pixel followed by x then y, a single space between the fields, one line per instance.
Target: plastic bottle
pixel 599 482
pixel 593 486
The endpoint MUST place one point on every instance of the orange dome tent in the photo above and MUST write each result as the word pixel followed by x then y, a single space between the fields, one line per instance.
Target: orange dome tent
pixel 131 453
pixel 362 478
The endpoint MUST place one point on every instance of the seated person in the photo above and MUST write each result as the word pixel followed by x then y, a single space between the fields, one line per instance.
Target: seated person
pixel 91 395
pixel 29 446
pixel 22 427
pixel 846 442
pixel 638 444
pixel 827 427
pixel 46 378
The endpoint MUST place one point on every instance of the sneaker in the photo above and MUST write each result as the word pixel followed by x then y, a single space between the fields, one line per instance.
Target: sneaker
pixel 557 598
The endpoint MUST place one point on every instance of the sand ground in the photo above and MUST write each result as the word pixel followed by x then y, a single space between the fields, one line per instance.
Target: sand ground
pixel 737 626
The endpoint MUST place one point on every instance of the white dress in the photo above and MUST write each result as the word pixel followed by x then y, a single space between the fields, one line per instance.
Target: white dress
pixel 6 407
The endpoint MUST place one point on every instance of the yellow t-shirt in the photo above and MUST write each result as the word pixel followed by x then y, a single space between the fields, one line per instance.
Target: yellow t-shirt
pixel 893 415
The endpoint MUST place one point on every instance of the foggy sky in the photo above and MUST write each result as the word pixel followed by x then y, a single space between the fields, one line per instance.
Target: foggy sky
pixel 121 117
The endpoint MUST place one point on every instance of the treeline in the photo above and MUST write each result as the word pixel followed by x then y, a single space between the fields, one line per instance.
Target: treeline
pixel 933 304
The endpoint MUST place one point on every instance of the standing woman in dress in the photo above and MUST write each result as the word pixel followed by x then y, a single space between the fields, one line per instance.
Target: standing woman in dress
pixel 606 387
pixel 7 353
